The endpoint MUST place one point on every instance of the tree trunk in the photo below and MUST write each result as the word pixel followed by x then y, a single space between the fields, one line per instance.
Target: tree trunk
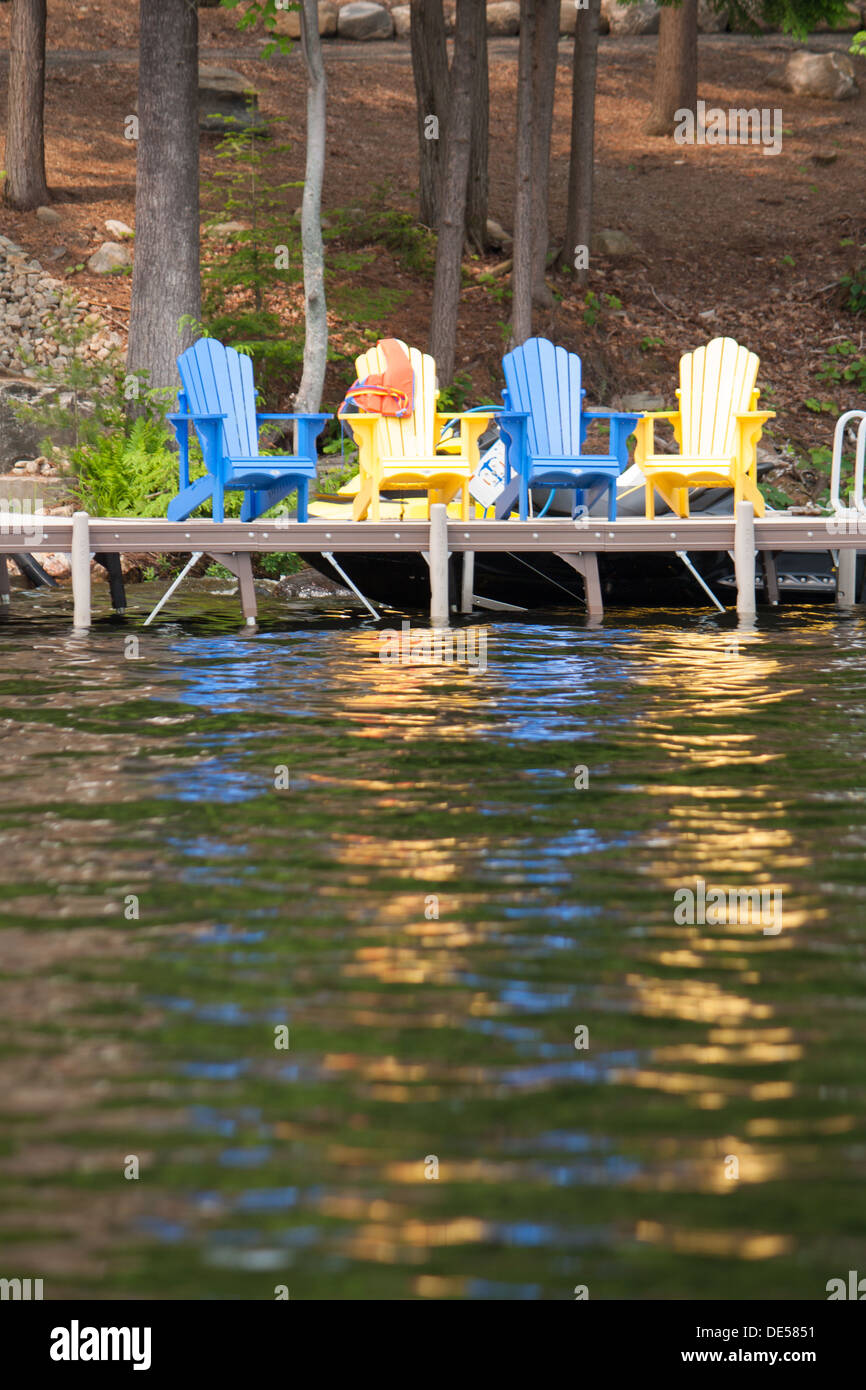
pixel 25 187
pixel 675 86
pixel 432 93
pixel 166 284
pixel 476 208
pixel 449 243
pixel 309 396
pixel 521 320
pixel 578 220
pixel 544 86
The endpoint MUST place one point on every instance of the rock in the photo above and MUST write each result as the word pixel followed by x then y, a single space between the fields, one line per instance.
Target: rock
pixel 630 19
pixel 641 400
pixel 226 100
pixel 497 235
pixel 826 75
pixel 402 17
pixel 611 242
pixel 290 23
pixel 58 566
pixel 110 256
pixel 503 18
pixel 362 20
pixel 118 230
pixel 48 216
pixel 225 229
pixel 711 20
pixel 567 17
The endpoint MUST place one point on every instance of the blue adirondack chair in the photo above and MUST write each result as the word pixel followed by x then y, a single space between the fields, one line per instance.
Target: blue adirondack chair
pixel 219 399
pixel 544 425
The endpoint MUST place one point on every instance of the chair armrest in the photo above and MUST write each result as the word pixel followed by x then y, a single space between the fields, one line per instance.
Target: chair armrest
pixel 600 413
pixel 644 432
pixel 364 429
pixel 750 427
pixel 294 415
pixel 196 415
pixel 467 414
pixel 513 427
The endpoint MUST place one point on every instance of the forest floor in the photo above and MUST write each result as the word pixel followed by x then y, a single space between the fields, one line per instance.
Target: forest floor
pixel 728 240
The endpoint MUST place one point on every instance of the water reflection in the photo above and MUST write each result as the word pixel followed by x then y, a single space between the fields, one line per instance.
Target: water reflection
pixel 432 909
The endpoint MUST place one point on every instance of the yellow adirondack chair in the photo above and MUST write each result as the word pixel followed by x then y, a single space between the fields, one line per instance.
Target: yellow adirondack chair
pixel 395 453
pixel 717 427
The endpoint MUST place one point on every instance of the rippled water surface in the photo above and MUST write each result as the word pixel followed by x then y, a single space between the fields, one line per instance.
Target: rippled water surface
pixel 708 1142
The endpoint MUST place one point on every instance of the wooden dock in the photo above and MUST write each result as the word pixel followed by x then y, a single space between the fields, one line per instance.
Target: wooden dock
pixel 579 543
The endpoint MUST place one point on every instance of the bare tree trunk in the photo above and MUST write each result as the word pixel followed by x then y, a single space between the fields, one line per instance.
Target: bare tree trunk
pixel 309 396
pixel 166 284
pixel 521 320
pixel 578 220
pixel 432 93
pixel 476 210
pixel 449 243
pixel 544 59
pixel 25 185
pixel 675 86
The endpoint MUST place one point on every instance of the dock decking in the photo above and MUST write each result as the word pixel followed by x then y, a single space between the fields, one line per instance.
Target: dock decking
pixel 578 542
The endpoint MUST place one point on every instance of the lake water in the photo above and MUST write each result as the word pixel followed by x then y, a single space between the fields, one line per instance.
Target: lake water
pixel 486 970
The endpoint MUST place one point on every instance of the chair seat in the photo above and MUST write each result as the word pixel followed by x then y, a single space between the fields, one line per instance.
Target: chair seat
pixel 425 467
pixel 602 462
pixel 674 463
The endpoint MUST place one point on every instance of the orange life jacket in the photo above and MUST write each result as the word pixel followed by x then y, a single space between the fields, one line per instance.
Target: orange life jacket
pixel 390 392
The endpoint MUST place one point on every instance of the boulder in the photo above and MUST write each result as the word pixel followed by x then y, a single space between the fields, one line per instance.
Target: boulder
pixel 503 18
pixel 402 17
pixel 290 22
pixel 119 230
pixel 630 19
pixel 364 21
pixel 710 19
pixel 641 400
pixel 226 100
pixel 826 75
pixel 611 242
pixel 225 229
pixel 110 256
pixel 497 235
pixel 48 216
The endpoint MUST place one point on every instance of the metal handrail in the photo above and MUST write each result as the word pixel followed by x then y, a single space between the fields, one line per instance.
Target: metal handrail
pixel 859 503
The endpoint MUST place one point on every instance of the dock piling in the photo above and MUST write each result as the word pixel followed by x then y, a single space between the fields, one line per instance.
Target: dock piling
pixel 467 581
pixel 438 553
pixel 80 558
pixel 846 578
pixel 5 586
pixel 744 559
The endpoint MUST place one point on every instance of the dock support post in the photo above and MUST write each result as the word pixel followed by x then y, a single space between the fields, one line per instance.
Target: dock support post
pixel 467 581
pixel 5 586
pixel 744 559
pixel 80 558
pixel 771 578
pixel 241 565
pixel 438 565
pixel 846 578
pixel 586 565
